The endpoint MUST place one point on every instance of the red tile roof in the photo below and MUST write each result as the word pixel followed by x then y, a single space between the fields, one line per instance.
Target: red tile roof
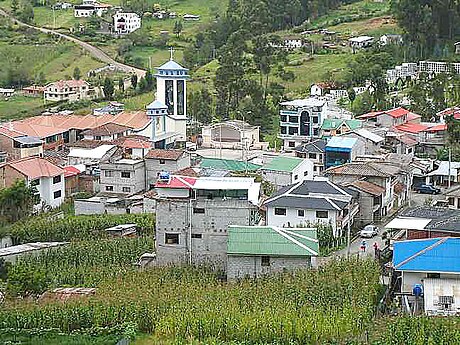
pixel 413 128
pixel 412 117
pixel 187 172
pixel 10 132
pixel 136 144
pixel 368 187
pixel 34 130
pixel 438 128
pixel 106 130
pixel 164 154
pixel 67 83
pixel 177 182
pixel 71 171
pixel 397 112
pixel 35 167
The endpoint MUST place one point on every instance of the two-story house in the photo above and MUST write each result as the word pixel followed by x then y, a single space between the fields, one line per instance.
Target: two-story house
pixel 395 180
pixel 126 22
pixel 47 178
pixel 301 120
pixel 106 132
pixel 388 118
pixel 159 160
pixel 312 202
pixel 123 176
pixel 341 150
pixel 18 145
pixel 193 215
pixel 282 170
pixel 68 90
pixel 314 151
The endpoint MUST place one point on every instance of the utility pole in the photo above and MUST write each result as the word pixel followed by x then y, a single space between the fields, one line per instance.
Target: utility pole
pixel 349 231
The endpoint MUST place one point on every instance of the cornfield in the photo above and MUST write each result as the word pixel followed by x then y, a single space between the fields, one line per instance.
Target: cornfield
pixel 86 263
pixel 332 304
pixel 42 228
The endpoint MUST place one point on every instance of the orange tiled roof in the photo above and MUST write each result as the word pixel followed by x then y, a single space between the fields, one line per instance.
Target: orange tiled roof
pixel 35 167
pixel 164 154
pixel 68 83
pixel 34 130
pixel 106 129
pixel 11 132
pixel 413 128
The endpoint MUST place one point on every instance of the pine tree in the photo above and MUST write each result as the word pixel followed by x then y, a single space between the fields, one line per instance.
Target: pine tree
pixel 108 88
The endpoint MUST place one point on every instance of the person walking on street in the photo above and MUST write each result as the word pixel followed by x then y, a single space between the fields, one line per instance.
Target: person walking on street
pixel 363 246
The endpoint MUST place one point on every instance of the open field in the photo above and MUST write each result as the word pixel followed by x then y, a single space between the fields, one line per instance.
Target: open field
pixel 19 107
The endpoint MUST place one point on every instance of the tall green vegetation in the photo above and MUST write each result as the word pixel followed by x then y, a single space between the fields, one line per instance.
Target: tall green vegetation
pixel 331 305
pixel 427 23
pixel 84 263
pixel 17 201
pixel 47 228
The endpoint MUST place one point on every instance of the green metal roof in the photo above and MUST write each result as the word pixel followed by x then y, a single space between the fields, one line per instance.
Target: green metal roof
pixel 269 240
pixel 329 124
pixel 228 164
pixel 281 163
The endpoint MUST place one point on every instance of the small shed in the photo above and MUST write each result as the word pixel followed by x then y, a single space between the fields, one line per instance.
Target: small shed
pixel 254 251
pixel 283 170
pixel 123 230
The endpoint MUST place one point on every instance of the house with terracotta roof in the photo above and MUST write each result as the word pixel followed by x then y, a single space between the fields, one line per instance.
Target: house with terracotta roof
pixel 106 132
pixel 394 179
pixel 68 90
pixel 134 146
pixel 19 145
pixel 33 91
pixel 159 160
pixel 370 200
pixel 388 118
pixel 47 178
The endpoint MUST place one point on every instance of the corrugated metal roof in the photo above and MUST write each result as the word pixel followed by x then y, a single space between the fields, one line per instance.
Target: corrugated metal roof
pixel 341 142
pixel 273 241
pixel 428 255
pixel 281 163
pixel 228 164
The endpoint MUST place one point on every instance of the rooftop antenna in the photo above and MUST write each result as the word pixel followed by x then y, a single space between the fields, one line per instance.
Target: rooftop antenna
pixel 171 51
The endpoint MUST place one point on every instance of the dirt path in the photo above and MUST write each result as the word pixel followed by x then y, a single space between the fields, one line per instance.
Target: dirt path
pixel 95 52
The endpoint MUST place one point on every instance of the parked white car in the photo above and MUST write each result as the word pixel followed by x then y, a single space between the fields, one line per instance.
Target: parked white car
pixel 369 231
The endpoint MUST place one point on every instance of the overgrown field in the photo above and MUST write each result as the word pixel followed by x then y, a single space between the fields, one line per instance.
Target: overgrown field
pixel 83 263
pixel 45 228
pixel 332 305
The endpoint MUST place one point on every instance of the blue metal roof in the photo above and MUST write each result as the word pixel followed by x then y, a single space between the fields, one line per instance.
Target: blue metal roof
pixel 341 142
pixel 428 255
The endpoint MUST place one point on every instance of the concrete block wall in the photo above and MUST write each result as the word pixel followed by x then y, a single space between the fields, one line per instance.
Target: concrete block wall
pixel 239 266
pixel 209 229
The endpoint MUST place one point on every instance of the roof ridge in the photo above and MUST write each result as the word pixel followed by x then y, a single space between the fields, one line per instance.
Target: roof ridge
pixel 332 203
pixel 301 236
pixel 281 232
pixel 423 251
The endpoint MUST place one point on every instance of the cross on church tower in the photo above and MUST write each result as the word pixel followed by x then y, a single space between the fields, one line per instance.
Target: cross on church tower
pixel 171 52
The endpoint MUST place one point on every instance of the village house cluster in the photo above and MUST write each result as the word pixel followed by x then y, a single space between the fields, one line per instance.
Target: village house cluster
pixel 228 200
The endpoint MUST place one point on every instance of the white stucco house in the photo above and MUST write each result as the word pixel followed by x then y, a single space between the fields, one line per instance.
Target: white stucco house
pixel 47 178
pixel 311 202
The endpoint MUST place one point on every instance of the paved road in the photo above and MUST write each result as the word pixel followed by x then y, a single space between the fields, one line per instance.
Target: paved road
pixel 95 52
pixel 355 247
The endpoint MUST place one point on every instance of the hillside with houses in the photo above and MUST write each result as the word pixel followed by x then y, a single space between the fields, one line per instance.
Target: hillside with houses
pixel 257 172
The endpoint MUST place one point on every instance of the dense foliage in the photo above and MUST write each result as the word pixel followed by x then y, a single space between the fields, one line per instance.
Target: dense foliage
pixel 16 201
pixel 48 228
pixel 84 263
pixel 421 331
pixel 333 303
pixel 428 23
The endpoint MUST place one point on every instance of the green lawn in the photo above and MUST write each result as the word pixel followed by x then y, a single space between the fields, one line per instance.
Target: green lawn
pixel 372 27
pixel 20 107
pixel 355 11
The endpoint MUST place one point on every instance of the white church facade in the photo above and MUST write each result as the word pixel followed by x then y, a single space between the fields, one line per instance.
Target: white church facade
pixel 168 113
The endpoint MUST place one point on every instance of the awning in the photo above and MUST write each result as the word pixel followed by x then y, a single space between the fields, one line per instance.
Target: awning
pixel 408 223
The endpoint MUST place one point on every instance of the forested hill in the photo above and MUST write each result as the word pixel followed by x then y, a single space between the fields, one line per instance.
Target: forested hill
pixel 427 23
pixel 256 17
